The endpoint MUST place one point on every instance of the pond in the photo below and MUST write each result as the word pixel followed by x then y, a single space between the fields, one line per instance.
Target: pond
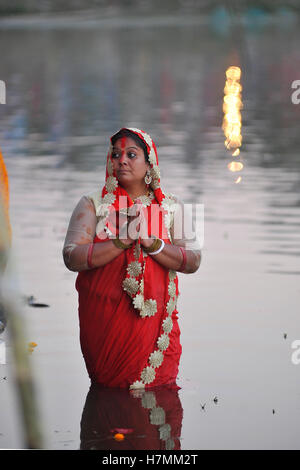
pixel 70 85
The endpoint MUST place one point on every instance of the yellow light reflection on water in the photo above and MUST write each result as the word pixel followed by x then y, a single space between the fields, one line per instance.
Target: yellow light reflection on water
pixel 233 73
pixel 235 166
pixel 232 121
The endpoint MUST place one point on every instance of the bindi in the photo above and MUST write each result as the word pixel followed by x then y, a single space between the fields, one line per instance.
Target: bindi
pixel 123 143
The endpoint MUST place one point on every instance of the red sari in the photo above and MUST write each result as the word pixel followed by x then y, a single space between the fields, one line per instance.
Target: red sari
pixel 129 332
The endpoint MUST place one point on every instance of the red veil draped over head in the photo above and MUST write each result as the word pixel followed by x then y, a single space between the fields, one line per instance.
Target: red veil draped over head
pixel 127 308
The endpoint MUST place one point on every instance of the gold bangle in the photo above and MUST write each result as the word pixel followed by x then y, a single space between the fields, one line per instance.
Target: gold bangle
pixel 119 244
pixel 154 247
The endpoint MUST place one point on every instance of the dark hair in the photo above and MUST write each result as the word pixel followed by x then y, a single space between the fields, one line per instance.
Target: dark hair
pixel 127 133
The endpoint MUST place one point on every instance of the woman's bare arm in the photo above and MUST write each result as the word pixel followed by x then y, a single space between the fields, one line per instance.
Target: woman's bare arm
pixel 80 234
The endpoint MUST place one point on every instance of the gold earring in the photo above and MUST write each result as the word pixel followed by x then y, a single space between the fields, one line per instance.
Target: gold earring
pixel 148 177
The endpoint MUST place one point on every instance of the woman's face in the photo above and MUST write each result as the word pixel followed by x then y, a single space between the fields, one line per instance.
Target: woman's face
pixel 129 161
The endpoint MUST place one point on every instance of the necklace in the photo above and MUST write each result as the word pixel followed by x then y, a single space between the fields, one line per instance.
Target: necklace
pixel 142 196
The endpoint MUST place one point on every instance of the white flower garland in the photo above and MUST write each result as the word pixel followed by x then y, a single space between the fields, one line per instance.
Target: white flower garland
pixel 172 289
pixel 134 269
pixel 130 285
pixel 156 357
pixel 110 168
pixel 167 325
pixel 111 184
pixel 163 342
pixel 169 204
pixel 109 198
pixel 148 375
pixel 146 200
pixel 138 301
pixel 149 308
pixel 138 384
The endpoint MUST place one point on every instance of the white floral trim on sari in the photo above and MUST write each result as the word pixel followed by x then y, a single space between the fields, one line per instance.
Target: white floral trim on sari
pixel 156 358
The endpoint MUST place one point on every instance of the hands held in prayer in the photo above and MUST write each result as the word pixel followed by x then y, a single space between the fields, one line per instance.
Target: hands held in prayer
pixel 135 225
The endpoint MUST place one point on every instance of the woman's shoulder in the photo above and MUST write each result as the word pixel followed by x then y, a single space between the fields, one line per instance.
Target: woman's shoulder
pixel 100 204
pixel 95 197
pixel 173 201
pixel 169 195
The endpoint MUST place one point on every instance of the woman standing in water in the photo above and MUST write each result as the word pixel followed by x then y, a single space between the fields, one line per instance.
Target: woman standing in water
pixel 127 282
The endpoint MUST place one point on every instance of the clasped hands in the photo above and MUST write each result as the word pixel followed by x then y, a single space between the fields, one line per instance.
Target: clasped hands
pixel 134 225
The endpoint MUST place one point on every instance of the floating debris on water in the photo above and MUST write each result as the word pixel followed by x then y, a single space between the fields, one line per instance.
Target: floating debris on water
pixel 30 300
pixel 215 400
pixel 285 335
pixel 31 346
pixel 119 437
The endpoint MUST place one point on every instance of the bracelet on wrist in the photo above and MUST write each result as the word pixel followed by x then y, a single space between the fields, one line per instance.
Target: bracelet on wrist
pixel 161 247
pixel 157 249
pixel 119 244
pixel 183 263
pixel 89 256
pixel 153 247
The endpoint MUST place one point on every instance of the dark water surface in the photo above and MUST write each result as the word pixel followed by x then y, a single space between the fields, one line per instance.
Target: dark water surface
pixel 68 90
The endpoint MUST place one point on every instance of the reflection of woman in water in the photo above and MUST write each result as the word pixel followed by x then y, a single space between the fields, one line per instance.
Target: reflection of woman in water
pixel 127 285
pixel 145 419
